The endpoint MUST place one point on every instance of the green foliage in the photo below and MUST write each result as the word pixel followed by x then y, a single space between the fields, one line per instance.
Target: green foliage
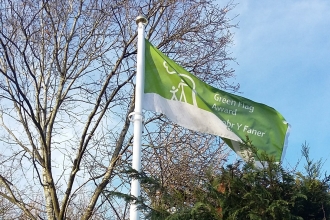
pixel 199 211
pixel 314 188
pixel 258 193
pixel 242 191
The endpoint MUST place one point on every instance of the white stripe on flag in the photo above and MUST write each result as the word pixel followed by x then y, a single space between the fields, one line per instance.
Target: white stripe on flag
pixel 188 116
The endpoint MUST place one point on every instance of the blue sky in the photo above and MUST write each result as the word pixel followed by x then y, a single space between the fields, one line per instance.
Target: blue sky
pixel 283 52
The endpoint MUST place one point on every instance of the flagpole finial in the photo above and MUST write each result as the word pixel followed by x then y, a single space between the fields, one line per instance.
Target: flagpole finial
pixel 142 19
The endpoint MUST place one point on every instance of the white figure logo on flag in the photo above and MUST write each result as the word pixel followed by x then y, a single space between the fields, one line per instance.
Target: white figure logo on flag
pixel 181 86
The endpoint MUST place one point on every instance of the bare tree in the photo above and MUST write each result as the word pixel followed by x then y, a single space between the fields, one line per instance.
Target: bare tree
pixel 180 161
pixel 67 86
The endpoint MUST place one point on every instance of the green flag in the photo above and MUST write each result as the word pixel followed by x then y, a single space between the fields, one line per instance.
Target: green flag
pixel 193 104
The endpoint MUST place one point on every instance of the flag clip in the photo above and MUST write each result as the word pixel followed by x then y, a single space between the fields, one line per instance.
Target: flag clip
pixel 132 117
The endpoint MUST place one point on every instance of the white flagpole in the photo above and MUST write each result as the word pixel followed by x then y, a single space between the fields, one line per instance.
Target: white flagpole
pixel 141 21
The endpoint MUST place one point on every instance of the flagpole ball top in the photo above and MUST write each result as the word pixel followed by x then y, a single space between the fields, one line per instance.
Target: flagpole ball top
pixel 142 19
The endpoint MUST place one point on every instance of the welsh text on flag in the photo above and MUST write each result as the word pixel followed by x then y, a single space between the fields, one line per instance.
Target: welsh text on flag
pixel 193 104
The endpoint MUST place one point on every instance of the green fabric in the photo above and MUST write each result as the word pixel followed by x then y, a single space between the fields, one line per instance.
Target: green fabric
pixel 264 125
